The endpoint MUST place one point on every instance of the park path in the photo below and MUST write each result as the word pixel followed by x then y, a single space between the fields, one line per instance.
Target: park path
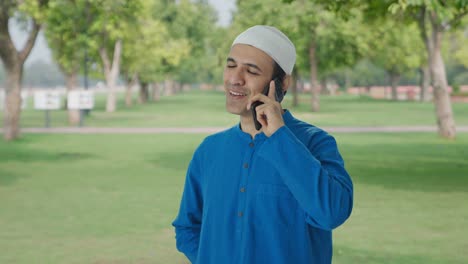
pixel 209 130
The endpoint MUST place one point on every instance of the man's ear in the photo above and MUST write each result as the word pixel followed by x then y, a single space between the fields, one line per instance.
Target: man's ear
pixel 286 82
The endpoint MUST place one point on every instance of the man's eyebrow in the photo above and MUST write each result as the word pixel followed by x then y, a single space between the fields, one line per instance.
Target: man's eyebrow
pixel 229 59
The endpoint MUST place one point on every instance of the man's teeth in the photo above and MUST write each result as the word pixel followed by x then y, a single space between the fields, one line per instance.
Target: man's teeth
pixel 237 94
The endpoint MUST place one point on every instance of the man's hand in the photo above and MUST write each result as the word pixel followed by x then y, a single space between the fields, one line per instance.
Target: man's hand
pixel 270 113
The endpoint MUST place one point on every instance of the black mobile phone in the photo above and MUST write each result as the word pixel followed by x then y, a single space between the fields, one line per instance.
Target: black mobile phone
pixel 279 97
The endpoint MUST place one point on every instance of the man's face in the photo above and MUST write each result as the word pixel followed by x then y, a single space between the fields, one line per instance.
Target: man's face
pixel 247 71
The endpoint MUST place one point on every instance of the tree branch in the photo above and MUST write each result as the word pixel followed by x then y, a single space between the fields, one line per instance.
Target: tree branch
pixel 458 17
pixel 7 50
pixel 117 53
pixel 23 54
pixel 105 59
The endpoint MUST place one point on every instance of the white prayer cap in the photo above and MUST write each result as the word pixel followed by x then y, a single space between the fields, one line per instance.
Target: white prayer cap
pixel 271 41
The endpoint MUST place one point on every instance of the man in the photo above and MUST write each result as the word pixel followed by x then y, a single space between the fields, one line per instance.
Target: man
pixel 268 196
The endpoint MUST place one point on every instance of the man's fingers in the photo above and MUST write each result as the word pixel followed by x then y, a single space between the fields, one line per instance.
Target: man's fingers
pixel 261 116
pixel 272 91
pixel 264 98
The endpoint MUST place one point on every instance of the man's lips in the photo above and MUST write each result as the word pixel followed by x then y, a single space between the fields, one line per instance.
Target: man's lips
pixel 237 94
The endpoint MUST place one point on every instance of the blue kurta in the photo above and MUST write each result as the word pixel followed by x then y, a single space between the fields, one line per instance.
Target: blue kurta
pixel 264 200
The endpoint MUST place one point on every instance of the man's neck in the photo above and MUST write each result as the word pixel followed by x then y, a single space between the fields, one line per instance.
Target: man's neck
pixel 248 126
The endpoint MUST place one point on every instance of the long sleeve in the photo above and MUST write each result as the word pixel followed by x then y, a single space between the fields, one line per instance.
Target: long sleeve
pixel 313 170
pixel 188 222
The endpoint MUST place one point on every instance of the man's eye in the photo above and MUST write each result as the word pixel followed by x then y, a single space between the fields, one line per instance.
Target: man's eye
pixel 252 72
pixel 230 65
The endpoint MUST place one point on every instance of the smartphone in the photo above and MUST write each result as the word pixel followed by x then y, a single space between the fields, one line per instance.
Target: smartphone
pixel 279 95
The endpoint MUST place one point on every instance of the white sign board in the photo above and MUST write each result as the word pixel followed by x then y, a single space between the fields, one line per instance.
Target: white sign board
pixel 24 99
pixel 47 100
pixel 80 99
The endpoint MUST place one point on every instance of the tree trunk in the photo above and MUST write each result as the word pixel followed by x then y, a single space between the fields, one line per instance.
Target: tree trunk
pixel 129 90
pixel 424 83
pixel 111 102
pixel 168 87
pixel 13 61
pixel 315 106
pixel 71 82
pixel 443 105
pixel 111 71
pixel 12 109
pixel 156 92
pixel 347 79
pixel 144 93
pixel 394 80
pixel 177 87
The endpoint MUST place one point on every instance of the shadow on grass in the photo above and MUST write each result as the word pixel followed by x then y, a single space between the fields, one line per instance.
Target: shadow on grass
pixel 28 155
pixel 8 177
pixel 21 150
pixel 19 154
pixel 24 156
pixel 422 167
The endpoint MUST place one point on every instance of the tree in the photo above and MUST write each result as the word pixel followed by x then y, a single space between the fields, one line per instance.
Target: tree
pixel 65 30
pixel 32 12
pixel 434 18
pixel 151 51
pixel 194 23
pixel 394 47
pixel 110 22
pixel 329 42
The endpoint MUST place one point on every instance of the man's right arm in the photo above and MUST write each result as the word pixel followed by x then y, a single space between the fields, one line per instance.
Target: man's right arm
pixel 188 222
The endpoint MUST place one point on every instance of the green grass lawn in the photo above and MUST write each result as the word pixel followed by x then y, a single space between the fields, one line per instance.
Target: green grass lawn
pixel 200 109
pixel 111 198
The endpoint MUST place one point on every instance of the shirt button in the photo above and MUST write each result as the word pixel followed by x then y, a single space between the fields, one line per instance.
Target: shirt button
pixel 246 165
pixel 241 214
pixel 251 145
pixel 242 189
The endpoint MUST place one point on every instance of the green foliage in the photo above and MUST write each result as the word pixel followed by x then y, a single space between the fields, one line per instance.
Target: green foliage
pixel 35 9
pixel 67 33
pixel 149 49
pixel 366 74
pixel 460 79
pixel 396 47
pixel 76 26
pixel 195 23
pixel 456 41
pixel 447 12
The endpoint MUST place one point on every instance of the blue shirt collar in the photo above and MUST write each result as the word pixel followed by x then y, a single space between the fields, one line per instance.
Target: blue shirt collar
pixel 288 120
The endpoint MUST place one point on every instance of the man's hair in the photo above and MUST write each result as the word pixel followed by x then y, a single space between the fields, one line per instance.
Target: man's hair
pixel 278 72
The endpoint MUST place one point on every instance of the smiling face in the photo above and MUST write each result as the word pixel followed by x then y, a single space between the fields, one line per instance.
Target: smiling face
pixel 247 71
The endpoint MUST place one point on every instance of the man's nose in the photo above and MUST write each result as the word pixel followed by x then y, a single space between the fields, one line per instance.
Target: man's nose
pixel 236 77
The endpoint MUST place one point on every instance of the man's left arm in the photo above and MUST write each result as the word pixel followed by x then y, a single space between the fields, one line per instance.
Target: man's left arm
pixel 314 174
